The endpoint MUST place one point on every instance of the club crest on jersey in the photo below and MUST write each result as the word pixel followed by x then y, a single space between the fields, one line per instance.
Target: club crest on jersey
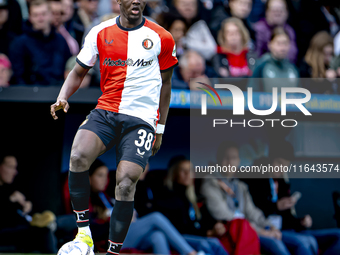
pixel 147 44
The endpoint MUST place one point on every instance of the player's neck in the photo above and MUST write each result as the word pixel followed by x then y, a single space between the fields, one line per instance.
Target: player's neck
pixel 128 23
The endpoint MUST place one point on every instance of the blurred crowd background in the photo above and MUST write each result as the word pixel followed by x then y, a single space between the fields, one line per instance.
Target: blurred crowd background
pixel 232 38
pixel 175 213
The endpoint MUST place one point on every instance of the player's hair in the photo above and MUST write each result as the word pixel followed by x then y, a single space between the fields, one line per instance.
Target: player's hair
pixel 172 176
pixel 315 56
pixel 241 28
pixel 223 147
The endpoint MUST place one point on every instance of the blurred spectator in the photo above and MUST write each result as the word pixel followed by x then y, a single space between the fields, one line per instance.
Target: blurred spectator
pixel 176 25
pixel 276 16
pixel 178 202
pixel 107 7
pixel 86 13
pixel 71 62
pixel 316 16
pixel 40 54
pixel 337 44
pixel 154 8
pixel 5 70
pixel 316 65
pixel 335 65
pixel 14 219
pixel 199 39
pixel 57 21
pixel 67 15
pixel 257 10
pixel 228 198
pixel 275 65
pixel 273 196
pixel 188 9
pixel 153 231
pixel 236 8
pixel 233 58
pixel 24 9
pixel 191 65
pixel 7 31
pixel 198 36
pixel 114 12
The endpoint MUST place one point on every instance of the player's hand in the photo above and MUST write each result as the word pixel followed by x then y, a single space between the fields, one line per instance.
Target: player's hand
pixel 60 104
pixel 157 144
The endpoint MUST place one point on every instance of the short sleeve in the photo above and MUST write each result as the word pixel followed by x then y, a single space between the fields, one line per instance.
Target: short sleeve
pixel 88 54
pixel 167 57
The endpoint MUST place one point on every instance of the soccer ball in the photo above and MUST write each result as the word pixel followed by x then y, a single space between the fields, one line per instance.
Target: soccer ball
pixel 75 248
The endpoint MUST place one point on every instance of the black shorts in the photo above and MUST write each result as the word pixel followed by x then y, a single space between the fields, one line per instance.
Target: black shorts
pixel 132 136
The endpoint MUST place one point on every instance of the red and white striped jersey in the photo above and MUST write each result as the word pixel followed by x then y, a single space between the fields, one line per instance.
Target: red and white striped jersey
pixel 131 62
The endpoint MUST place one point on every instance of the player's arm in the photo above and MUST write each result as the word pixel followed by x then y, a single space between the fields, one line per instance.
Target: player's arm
pixel 71 85
pixel 163 106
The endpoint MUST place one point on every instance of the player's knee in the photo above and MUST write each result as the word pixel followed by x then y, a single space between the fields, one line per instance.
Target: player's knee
pixel 78 162
pixel 125 188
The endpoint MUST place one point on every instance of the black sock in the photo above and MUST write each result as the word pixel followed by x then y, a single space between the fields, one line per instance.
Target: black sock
pixel 79 186
pixel 119 225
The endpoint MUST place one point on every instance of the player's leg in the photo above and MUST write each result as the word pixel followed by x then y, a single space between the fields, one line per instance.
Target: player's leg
pixel 87 146
pixel 127 176
pixel 133 152
pixel 94 136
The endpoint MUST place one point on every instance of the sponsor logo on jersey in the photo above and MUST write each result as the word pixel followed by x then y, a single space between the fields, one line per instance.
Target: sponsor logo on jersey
pixel 128 62
pixel 147 44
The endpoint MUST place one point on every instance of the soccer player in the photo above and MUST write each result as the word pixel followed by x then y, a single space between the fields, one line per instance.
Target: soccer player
pixel 136 61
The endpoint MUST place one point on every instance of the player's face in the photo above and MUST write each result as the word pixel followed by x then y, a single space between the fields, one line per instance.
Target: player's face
pixel 98 179
pixel 184 171
pixel 8 170
pixel 132 9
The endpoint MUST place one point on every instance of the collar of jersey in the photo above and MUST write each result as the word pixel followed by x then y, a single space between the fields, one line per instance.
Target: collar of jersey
pixel 129 29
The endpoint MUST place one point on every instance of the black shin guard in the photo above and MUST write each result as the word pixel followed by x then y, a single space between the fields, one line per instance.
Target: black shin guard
pixel 79 186
pixel 119 225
